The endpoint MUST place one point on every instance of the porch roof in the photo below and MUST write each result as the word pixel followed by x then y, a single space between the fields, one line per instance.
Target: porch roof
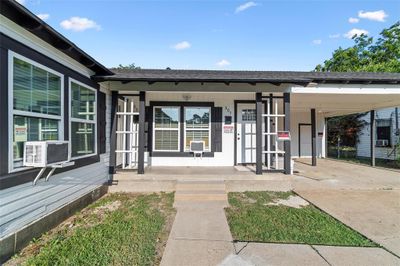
pixel 252 77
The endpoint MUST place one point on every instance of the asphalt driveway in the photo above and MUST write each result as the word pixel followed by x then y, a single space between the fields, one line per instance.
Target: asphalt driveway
pixel 366 199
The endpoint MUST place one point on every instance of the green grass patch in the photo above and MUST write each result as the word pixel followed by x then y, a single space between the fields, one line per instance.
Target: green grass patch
pixel 251 219
pixel 119 229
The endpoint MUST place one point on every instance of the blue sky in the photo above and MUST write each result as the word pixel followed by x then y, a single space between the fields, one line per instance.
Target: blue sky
pixel 245 35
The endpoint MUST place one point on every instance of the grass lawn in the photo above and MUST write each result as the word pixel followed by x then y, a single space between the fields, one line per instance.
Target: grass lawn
pixel 251 219
pixel 118 229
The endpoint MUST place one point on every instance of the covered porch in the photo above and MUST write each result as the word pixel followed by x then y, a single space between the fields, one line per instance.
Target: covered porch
pixel 274 102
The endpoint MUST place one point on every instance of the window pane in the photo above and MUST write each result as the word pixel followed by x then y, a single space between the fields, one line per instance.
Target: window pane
pixel 197 135
pixel 166 117
pixel 82 101
pixel 32 129
pixel 197 117
pixel 35 89
pixel 166 140
pixel 82 139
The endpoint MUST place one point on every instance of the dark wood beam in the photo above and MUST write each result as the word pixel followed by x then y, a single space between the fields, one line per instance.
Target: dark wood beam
pixel 113 135
pixel 258 133
pixel 288 157
pixel 142 137
pixel 313 138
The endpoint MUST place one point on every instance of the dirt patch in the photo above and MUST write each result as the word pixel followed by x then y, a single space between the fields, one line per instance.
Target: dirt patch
pixel 292 201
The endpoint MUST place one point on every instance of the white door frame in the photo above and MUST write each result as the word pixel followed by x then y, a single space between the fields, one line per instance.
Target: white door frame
pixel 240 137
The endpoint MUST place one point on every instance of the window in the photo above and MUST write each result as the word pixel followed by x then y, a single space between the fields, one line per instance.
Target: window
pixel 166 129
pixel 383 132
pixel 197 126
pixel 82 120
pixel 36 109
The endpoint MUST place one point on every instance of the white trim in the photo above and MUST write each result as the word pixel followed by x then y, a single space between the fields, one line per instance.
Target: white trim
pixel 80 120
pixel 23 36
pixel 197 129
pixel 393 89
pixel 12 112
pixel 166 129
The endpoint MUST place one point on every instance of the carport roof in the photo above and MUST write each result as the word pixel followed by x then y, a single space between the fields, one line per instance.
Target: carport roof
pixel 169 75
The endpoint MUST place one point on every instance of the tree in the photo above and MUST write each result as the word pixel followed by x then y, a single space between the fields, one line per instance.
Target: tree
pixel 365 55
pixel 130 66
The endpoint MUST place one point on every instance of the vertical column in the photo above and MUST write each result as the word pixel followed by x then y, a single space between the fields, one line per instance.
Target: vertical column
pixel 372 135
pixel 286 101
pixel 142 107
pixel 113 133
pixel 258 133
pixel 313 138
pixel 4 150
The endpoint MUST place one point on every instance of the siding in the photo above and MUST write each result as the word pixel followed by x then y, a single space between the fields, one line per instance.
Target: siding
pixel 23 204
pixel 363 147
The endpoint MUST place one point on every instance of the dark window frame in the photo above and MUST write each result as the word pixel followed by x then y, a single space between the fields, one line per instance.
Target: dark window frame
pixel 10 179
pixel 181 105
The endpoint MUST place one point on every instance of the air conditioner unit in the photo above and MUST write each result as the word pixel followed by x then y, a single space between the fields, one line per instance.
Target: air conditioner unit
pixel 45 153
pixel 382 143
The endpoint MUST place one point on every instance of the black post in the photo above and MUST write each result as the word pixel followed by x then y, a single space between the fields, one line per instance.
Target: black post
pixel 286 100
pixel 372 135
pixel 313 138
pixel 142 107
pixel 113 131
pixel 258 133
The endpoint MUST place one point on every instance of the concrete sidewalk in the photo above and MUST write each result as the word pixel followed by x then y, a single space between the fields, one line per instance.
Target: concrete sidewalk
pixel 200 236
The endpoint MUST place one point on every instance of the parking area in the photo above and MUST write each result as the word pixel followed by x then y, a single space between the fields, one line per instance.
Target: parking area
pixel 366 199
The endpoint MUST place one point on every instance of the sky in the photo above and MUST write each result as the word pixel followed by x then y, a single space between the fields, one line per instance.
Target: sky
pixel 229 35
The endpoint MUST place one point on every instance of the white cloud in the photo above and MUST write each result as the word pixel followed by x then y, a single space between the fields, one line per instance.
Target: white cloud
pixel 22 2
pixel 379 15
pixel 223 63
pixel 43 16
pixel 355 31
pixel 334 36
pixel 181 45
pixel 245 6
pixel 317 42
pixel 354 20
pixel 79 24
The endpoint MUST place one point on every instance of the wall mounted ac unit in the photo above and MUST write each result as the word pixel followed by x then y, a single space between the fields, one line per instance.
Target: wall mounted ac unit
pixel 45 153
pixel 382 143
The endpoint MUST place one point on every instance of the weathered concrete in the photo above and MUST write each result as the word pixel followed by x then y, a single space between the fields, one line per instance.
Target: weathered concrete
pixel 338 256
pixel 364 198
pixel 278 254
pixel 200 234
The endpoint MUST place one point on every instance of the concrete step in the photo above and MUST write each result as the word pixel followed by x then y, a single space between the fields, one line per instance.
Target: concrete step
pixel 200 186
pixel 200 197
pixel 142 186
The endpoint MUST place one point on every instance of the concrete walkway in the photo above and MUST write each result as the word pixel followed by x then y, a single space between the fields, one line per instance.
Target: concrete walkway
pixel 200 236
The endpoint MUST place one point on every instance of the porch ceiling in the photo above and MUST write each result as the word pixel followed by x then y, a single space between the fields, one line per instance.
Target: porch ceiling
pixel 341 104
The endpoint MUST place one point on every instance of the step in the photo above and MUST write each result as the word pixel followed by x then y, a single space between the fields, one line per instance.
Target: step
pixel 200 186
pixel 201 197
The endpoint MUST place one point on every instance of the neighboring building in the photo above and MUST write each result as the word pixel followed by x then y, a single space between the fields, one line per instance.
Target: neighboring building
pixel 52 90
pixel 387 134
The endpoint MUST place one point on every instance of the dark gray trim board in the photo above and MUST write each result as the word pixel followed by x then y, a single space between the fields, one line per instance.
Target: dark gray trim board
pixel 141 140
pixel 372 130
pixel 18 240
pixel 113 132
pixel 7 44
pixel 30 22
pixel 313 137
pixel 259 134
pixel 288 154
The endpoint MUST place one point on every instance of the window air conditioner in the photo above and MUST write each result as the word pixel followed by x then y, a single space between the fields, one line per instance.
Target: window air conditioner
pixel 382 143
pixel 45 153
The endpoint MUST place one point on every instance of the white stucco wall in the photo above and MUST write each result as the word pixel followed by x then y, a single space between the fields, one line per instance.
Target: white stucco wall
pixel 226 100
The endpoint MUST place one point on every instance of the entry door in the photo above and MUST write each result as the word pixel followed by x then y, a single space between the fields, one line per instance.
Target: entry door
pixel 246 134
pixel 305 141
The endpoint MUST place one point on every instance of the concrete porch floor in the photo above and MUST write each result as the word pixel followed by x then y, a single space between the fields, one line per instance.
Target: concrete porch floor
pixel 165 178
